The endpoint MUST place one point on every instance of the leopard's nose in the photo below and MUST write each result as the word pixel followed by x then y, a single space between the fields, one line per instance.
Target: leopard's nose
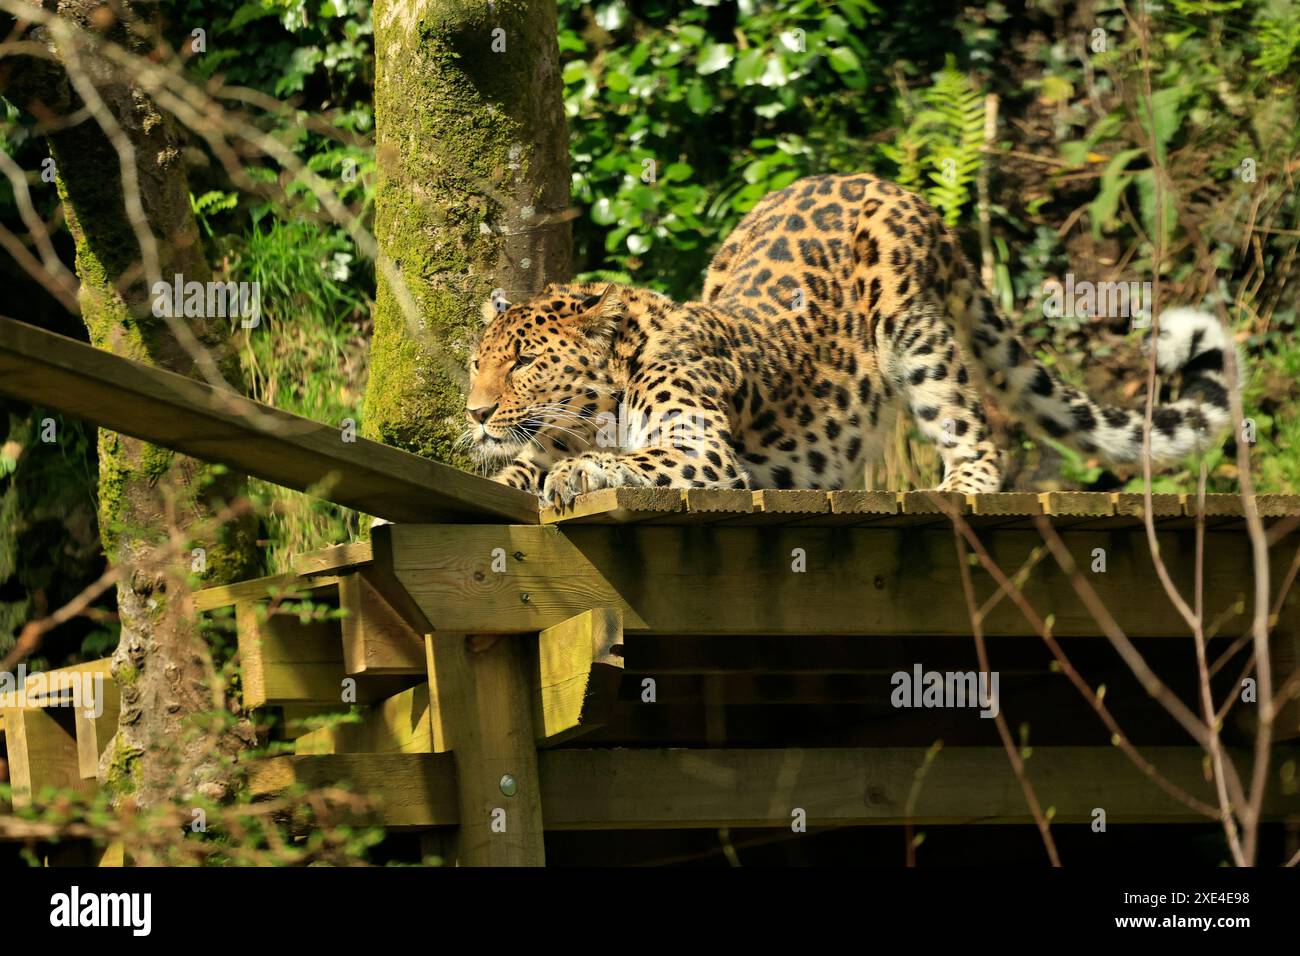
pixel 482 413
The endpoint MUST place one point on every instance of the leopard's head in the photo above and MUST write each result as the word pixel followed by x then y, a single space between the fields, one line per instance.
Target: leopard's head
pixel 540 374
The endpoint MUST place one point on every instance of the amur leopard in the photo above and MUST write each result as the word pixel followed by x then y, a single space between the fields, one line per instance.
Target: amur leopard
pixel 837 301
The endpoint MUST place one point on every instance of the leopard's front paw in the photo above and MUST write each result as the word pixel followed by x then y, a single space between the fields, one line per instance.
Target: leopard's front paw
pixel 577 476
pixel 525 479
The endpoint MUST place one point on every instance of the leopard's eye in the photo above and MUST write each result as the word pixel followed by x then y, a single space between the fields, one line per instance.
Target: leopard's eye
pixel 524 361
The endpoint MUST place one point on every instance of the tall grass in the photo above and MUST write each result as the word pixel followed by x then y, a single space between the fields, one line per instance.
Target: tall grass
pixel 306 356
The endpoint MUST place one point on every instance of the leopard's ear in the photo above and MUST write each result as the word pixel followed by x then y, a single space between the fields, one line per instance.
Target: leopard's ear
pixel 494 305
pixel 600 314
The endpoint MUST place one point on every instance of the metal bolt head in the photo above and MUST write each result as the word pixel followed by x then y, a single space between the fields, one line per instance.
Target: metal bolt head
pixel 509 785
pixel 524 597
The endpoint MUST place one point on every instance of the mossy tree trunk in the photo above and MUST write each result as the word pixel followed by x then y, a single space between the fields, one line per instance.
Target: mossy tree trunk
pixel 472 195
pixel 160 664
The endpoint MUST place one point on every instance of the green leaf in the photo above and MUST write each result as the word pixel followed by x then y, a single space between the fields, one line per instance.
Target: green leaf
pixel 1146 189
pixel 775 73
pixel 691 34
pixel 1113 183
pixel 676 172
pixel 844 60
pixel 602 212
pixel 574 71
pixel 570 42
pixel 749 67
pixel 618 82
pixel 1056 89
pixel 247 14
pixel 714 57
pixel 698 98
pixel 1165 114
pixel 611 16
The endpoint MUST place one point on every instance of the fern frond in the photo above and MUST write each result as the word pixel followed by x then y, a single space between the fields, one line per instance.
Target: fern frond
pixel 939 151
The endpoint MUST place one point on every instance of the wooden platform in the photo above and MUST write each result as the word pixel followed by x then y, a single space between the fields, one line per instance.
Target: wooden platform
pixel 910 509
pixel 675 659
pixel 767 628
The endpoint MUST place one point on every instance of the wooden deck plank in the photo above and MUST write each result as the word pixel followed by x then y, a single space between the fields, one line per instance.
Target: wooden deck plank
pixel 1093 509
pixel 649 789
pixel 618 506
pixel 708 506
pixel 772 506
pixel 214 425
pixel 855 507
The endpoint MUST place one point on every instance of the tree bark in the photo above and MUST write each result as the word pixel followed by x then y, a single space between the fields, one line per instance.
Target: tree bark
pixel 161 664
pixel 472 195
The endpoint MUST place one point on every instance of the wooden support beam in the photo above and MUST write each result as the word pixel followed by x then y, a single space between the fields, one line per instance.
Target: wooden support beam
pixel 176 412
pixel 663 788
pixel 283 586
pixel 671 789
pixel 576 681
pixel 718 580
pixel 285 660
pixel 1284 645
pixel 294 718
pixel 60 685
pixel 411 790
pixel 111 855
pixel 334 559
pixel 376 639
pixel 42 749
pixel 403 723
pixel 482 688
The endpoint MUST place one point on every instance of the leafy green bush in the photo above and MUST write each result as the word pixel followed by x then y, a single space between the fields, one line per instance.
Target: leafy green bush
pixel 683 115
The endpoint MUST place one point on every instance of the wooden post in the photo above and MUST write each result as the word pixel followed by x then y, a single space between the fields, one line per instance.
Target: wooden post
pixel 483 690
pixel 94 733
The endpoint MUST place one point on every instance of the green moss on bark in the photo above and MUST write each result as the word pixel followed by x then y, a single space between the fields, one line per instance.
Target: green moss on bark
pixel 160 661
pixel 119 319
pixel 121 768
pixel 472 159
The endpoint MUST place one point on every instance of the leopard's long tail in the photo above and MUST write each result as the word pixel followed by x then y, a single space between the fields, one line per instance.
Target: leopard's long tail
pixel 1191 343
